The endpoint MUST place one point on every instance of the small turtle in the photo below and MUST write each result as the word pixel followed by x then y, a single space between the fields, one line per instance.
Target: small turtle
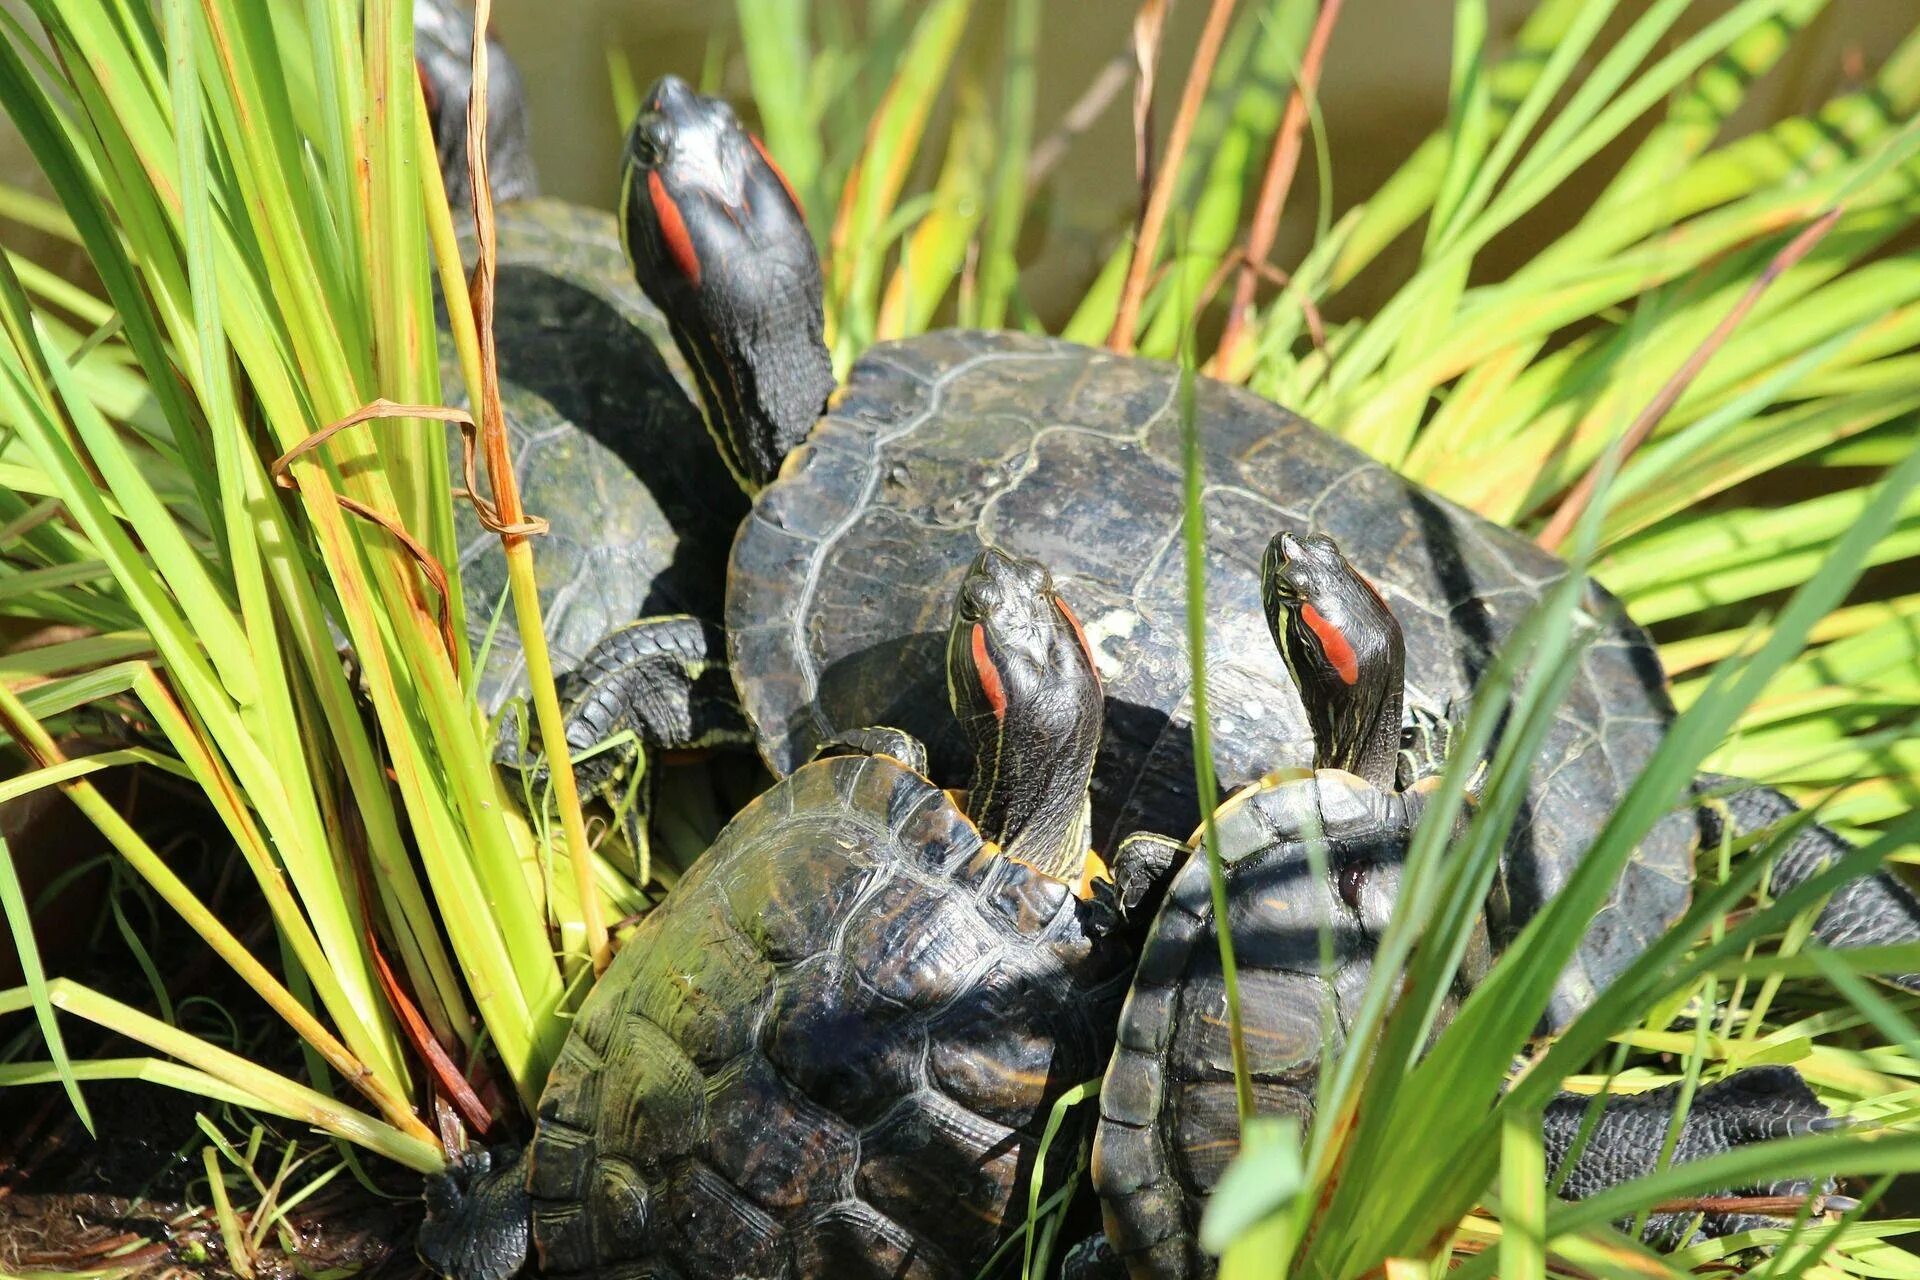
pixel 1168 1123
pixel 938 445
pixel 833 1049
pixel 608 448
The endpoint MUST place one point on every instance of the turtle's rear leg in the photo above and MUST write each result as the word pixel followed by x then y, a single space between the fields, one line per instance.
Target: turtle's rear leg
pixel 478 1217
pixel 1754 1105
pixel 1872 911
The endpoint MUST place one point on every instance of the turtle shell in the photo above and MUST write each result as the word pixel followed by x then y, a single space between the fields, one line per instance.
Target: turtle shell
pixel 607 445
pixel 1168 1121
pixel 840 580
pixel 831 1052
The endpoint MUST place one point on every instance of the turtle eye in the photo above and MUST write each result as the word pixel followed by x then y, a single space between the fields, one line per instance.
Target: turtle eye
pixel 651 141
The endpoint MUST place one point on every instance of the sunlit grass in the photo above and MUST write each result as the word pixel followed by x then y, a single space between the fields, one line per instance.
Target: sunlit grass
pixel 248 182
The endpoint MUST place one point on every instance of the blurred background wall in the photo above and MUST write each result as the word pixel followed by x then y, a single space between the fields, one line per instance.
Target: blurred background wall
pixel 1383 89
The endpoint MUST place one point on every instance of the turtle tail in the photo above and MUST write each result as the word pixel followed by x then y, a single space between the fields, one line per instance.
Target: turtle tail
pixel 1871 911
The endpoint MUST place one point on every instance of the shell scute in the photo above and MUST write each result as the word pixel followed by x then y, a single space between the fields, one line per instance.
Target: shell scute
pixel 561 1164
pixel 709 986
pixel 1147 1017
pixel 1154 1216
pixel 942 1172
pixel 767 1140
pixel 916 944
pixel 716 1231
pixel 935 836
pixel 827 470
pixel 1134 1098
pixel 652 1097
pixel 622 1210
pixel 854 1241
pixel 1022 901
pixel 1011 1044
pixel 1284 1018
pixel 781 907
pixel 563 1236
pixel 850 1049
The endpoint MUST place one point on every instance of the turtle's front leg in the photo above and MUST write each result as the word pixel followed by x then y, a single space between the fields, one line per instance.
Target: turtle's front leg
pixel 1749 1106
pixel 1137 879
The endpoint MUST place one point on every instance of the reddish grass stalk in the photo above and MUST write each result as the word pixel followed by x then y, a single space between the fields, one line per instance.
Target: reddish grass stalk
pixel 1154 220
pixel 1281 167
pixel 1580 497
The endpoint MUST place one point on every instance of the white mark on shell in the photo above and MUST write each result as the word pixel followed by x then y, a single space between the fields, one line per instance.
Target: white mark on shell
pixel 1107 636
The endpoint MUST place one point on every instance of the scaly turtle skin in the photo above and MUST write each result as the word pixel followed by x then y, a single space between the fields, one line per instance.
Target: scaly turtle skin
pixel 944 443
pixel 1168 1123
pixel 832 1051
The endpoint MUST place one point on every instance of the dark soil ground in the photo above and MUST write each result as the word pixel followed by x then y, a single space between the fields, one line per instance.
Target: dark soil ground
pixel 131 1198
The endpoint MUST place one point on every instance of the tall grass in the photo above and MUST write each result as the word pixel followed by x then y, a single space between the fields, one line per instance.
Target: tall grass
pixel 252 185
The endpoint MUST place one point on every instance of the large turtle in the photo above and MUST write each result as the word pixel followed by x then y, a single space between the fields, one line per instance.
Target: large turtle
pixel 833 1049
pixel 864 519
pixel 1168 1117
pixel 605 440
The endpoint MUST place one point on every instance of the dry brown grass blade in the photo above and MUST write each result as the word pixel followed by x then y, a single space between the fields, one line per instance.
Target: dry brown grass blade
pixel 428 563
pixel 1761 1206
pixel 1153 220
pixel 1281 167
pixel 1078 118
pixel 1575 504
pixel 1149 31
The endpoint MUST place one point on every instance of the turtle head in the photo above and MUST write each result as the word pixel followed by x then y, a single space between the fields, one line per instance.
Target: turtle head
pixel 1023 685
pixel 718 241
pixel 1344 650
pixel 443 56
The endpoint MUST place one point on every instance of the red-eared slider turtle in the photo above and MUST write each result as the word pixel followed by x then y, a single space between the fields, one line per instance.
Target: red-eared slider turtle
pixel 833 1049
pixel 606 442
pixel 1168 1123
pixel 864 520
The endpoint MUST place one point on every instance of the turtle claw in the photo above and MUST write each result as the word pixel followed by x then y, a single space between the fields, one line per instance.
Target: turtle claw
pixel 478 1217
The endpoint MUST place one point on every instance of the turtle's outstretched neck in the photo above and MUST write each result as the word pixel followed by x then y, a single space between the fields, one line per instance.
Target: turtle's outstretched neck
pixel 1872 911
pixel 1025 690
pixel 718 241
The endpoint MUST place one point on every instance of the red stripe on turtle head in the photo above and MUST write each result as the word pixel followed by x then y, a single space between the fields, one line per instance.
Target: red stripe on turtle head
pixel 1079 634
pixel 988 674
pixel 1333 646
pixel 778 172
pixel 673 229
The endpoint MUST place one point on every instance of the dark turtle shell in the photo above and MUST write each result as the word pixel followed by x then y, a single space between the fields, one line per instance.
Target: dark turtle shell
pixel 1167 1108
pixel 836 607
pixel 607 445
pixel 831 1052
